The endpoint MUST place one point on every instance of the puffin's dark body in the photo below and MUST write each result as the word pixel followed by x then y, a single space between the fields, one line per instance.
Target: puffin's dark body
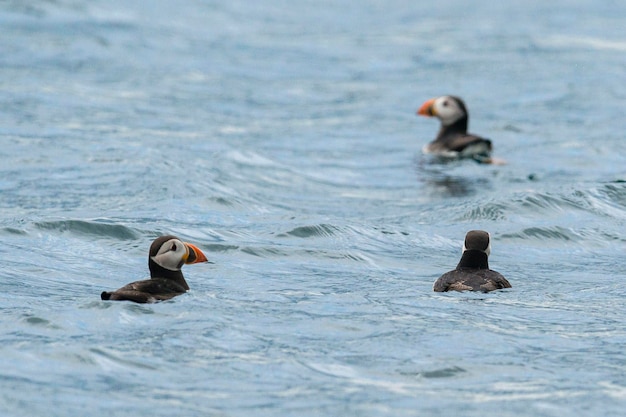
pixel 164 283
pixel 469 276
pixel 473 273
pixel 146 291
pixel 453 139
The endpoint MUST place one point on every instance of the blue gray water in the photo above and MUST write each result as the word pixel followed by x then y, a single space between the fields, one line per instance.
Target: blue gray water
pixel 281 138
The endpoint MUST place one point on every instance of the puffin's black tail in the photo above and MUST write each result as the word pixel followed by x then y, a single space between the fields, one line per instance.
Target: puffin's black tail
pixel 105 295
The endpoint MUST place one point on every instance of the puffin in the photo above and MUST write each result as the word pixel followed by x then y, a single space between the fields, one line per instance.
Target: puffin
pixel 453 141
pixel 166 257
pixel 473 273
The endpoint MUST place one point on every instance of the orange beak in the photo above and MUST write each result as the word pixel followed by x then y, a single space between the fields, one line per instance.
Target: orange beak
pixel 195 254
pixel 427 108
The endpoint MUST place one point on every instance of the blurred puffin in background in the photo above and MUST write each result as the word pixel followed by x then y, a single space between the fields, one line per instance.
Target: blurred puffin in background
pixel 453 141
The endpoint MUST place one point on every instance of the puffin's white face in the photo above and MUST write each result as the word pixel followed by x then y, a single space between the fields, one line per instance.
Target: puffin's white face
pixel 171 255
pixel 447 110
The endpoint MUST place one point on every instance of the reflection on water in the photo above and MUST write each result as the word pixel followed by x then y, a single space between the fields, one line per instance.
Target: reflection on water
pixel 434 172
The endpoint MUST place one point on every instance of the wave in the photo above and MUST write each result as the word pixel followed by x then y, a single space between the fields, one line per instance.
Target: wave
pixel 583 42
pixel 12 231
pixel 319 230
pixel 91 228
pixel 543 233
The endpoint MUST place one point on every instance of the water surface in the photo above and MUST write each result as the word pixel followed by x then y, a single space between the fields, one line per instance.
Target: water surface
pixel 282 140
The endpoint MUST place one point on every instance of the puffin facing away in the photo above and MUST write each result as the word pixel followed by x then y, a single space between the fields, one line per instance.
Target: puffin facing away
pixel 473 273
pixel 167 256
pixel 453 141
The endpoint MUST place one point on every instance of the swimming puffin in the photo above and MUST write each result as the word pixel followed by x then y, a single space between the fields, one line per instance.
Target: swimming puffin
pixel 473 273
pixel 167 256
pixel 453 141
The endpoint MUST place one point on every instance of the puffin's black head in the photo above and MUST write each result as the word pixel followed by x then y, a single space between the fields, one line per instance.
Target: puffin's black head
pixel 171 253
pixel 448 109
pixel 476 249
pixel 478 240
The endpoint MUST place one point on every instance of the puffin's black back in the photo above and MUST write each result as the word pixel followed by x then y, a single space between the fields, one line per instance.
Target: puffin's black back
pixel 483 280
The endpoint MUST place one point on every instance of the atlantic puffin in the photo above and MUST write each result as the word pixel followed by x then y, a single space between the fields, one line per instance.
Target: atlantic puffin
pixel 166 257
pixel 453 141
pixel 473 273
